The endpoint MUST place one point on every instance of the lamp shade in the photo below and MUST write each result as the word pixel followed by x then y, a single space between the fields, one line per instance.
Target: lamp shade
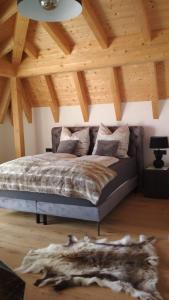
pixel 50 10
pixel 159 142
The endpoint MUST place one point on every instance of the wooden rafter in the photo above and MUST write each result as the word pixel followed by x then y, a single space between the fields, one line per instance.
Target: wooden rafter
pixel 25 101
pixel 128 51
pixel 142 19
pixel 6 47
pixel 31 50
pixel 20 34
pixel 8 9
pixel 95 24
pixel 58 35
pixel 5 101
pixel 82 94
pixel 54 106
pixel 155 93
pixel 115 89
pixel 6 69
pixel 10 113
pixel 17 118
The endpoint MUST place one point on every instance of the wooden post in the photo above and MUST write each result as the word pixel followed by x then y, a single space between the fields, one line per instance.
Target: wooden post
pixel 53 98
pixel 17 118
pixel 115 89
pixel 5 101
pixel 82 94
pixel 155 93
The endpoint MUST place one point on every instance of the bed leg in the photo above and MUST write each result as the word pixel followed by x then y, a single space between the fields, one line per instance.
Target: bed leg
pixel 45 221
pixel 38 218
pixel 98 228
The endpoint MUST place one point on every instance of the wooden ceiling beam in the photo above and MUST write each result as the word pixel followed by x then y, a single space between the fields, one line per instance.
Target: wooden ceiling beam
pixel 5 101
pixel 20 34
pixel 17 118
pixel 25 101
pixel 115 90
pixel 142 19
pixel 6 47
pixel 54 106
pixel 31 50
pixel 155 93
pixel 95 24
pixel 82 94
pixel 124 51
pixel 6 69
pixel 58 35
pixel 8 9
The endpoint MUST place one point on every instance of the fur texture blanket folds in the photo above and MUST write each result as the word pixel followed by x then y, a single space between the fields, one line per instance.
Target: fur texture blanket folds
pixel 126 265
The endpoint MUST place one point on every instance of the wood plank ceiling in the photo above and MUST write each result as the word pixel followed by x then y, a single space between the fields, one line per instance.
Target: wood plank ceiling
pixel 115 51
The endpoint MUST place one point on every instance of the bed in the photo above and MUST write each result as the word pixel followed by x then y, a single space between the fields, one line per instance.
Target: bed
pixel 129 177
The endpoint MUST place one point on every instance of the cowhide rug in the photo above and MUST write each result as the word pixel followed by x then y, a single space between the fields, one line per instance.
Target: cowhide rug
pixel 126 265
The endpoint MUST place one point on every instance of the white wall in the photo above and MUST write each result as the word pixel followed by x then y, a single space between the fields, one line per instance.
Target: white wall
pixel 7 148
pixel 134 113
pixel 38 134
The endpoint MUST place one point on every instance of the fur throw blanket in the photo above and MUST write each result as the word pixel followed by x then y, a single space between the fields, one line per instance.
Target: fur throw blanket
pixel 54 174
pixel 126 265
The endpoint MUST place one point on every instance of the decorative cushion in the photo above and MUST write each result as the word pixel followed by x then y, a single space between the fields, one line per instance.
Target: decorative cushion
pixel 121 134
pixel 107 148
pixel 82 136
pixel 67 146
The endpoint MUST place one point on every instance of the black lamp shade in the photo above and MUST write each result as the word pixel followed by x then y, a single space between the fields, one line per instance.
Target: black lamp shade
pixel 159 142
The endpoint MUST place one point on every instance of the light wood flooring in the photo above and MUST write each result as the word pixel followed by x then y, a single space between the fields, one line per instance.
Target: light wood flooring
pixel 135 215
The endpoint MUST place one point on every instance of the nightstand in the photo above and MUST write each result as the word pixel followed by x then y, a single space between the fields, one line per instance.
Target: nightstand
pixel 156 182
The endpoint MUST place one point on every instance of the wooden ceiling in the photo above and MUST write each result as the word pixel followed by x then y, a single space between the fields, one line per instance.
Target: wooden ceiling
pixel 116 51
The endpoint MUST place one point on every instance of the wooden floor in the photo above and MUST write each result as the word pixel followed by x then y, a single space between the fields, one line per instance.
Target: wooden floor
pixel 136 215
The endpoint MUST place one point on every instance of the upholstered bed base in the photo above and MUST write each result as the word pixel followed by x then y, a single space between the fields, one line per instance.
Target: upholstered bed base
pixel 86 213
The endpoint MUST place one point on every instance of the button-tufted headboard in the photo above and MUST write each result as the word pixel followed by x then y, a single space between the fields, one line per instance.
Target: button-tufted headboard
pixel 135 144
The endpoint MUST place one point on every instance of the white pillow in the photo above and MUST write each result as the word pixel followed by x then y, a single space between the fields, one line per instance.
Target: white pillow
pixel 121 134
pixel 83 139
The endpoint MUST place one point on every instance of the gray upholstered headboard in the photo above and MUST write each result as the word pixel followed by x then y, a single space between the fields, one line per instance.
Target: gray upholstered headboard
pixel 135 144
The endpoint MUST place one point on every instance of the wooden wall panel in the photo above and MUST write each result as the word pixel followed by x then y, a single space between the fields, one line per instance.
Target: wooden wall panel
pixel 117 17
pixel 98 84
pixel 65 89
pixel 135 82
pixel 158 11
pixel 39 37
pixel 37 90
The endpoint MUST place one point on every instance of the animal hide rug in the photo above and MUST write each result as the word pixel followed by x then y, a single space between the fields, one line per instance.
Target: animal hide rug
pixel 126 265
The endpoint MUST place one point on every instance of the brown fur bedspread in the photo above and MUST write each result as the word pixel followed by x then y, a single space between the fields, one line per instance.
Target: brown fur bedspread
pixel 52 174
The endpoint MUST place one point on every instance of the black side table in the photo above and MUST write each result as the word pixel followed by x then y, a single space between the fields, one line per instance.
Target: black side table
pixel 11 286
pixel 156 182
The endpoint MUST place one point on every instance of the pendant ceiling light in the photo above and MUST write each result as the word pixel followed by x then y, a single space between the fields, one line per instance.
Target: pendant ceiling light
pixel 50 10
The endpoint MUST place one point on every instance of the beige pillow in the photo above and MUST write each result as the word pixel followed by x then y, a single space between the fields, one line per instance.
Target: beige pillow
pixel 121 134
pixel 82 136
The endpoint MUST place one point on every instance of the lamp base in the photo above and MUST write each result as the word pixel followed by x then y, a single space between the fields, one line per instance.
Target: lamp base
pixel 158 162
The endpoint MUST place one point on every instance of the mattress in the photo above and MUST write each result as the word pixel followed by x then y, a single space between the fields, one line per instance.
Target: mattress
pixel 125 168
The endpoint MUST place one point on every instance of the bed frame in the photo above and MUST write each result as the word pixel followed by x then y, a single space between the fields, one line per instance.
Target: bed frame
pixel 45 204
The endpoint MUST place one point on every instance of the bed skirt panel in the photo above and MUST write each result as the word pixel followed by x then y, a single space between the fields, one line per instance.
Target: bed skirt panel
pixel 18 204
